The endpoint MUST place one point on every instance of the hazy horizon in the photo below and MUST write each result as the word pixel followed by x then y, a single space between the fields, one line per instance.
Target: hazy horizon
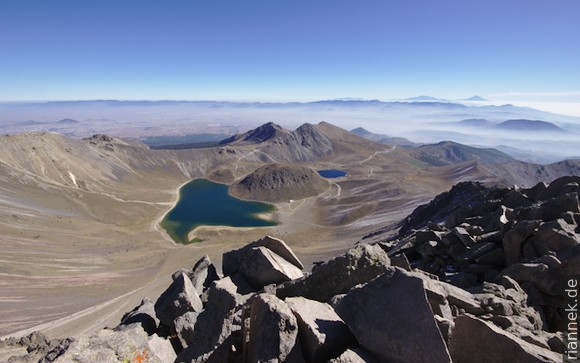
pixel 516 52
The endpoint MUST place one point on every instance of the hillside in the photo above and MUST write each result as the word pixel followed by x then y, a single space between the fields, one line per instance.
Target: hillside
pixel 448 152
pixel 279 183
pixel 528 126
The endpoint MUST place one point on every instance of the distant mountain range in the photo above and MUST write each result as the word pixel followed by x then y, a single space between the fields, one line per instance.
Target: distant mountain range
pixel 519 125
pixel 422 120
pixel 449 152
pixel 384 139
pixel 529 125
pixel 475 98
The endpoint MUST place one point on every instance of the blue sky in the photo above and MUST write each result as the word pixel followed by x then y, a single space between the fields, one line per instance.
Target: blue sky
pixel 289 50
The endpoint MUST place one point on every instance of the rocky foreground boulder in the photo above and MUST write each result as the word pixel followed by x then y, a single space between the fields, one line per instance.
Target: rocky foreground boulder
pixel 478 280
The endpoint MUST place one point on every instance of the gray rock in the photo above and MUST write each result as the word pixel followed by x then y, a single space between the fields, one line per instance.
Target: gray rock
pixel 515 237
pixel 510 283
pixel 554 236
pixel 400 260
pixel 337 276
pixel 553 208
pixel 429 249
pixel 184 327
pixel 32 348
pixel 214 324
pixel 493 236
pixel 391 317
pixel 241 287
pixel 523 272
pixel 476 251
pixel 474 340
pixel 322 332
pixel 461 298
pixel 143 314
pixel 436 295
pixel 549 260
pixel 499 219
pixel 223 353
pixel 262 267
pixel 495 257
pixel 464 236
pixel 356 355
pixel 473 230
pixel 536 191
pixel 272 334
pixel 130 345
pixel 201 275
pixel 445 326
pixel 515 199
pixel 232 260
pixel 462 279
pixel 424 236
pixel 179 298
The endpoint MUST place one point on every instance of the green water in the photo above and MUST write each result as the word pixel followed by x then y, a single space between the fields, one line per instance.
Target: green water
pixel 205 203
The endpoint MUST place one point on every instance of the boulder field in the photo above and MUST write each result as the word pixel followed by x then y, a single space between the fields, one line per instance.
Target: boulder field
pixel 477 275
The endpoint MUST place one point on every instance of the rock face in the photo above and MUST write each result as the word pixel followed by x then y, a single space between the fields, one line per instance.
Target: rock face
pixel 338 275
pixel 391 317
pixel 322 332
pixel 473 235
pixel 279 183
pixel 180 298
pixel 260 265
pixel 475 341
pixel 110 346
pixel 273 331
pixel 481 281
pixel 144 314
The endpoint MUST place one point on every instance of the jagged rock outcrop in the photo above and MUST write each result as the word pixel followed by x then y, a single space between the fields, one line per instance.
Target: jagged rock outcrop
pixel 179 298
pixel 144 314
pixel 273 331
pixel 512 248
pixel 391 317
pixel 475 340
pixel 279 183
pixel 201 275
pixel 260 265
pixel 337 276
pixel 480 284
pixel 322 332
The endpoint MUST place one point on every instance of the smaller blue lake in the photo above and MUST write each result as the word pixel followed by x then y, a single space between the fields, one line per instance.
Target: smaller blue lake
pixel 203 202
pixel 332 173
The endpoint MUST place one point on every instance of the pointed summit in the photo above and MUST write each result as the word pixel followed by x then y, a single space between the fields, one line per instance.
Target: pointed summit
pixel 258 135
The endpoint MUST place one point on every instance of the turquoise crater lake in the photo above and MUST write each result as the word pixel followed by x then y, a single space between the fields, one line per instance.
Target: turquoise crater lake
pixel 205 203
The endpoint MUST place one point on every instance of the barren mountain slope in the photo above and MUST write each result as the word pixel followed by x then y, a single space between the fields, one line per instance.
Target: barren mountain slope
pixel 79 218
pixel 279 183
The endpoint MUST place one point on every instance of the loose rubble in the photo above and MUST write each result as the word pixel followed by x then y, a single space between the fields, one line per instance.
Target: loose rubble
pixel 474 276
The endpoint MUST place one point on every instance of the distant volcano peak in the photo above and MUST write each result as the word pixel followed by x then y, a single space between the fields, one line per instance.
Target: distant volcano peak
pixel 258 135
pixel 475 98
